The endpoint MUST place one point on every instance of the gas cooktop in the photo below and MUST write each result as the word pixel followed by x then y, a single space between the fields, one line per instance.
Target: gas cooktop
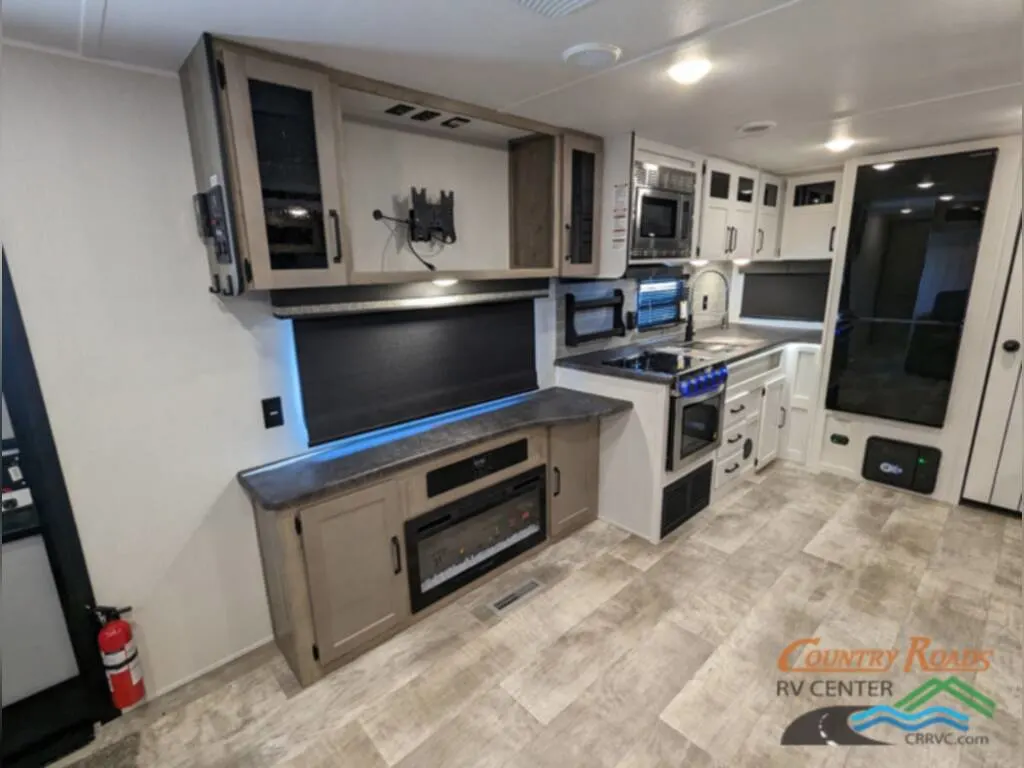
pixel 669 360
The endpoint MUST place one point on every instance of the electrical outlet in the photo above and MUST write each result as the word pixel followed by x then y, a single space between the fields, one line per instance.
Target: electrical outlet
pixel 273 415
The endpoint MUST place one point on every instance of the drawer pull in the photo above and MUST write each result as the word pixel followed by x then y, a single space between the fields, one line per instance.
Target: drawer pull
pixel 732 469
pixel 738 410
pixel 734 439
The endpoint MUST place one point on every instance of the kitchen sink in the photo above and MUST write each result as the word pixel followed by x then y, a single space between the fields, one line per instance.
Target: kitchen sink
pixel 721 346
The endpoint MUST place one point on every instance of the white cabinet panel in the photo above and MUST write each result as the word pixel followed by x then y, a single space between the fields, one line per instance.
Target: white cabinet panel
pixel 809 219
pixel 1006 492
pixel 769 436
pixel 730 203
pixel 769 217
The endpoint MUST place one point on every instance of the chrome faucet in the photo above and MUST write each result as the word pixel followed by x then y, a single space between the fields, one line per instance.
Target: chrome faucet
pixel 725 283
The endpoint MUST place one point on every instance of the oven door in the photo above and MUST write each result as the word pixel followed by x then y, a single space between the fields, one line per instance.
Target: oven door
pixel 694 427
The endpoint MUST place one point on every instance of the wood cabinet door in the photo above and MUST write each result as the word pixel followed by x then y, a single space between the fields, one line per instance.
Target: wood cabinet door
pixel 582 168
pixel 355 563
pixel 809 220
pixel 770 432
pixel 573 468
pixel 285 130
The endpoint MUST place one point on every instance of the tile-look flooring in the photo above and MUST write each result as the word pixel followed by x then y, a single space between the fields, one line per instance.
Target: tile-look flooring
pixel 637 655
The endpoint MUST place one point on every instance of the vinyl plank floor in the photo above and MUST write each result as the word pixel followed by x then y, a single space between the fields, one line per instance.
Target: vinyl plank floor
pixel 635 655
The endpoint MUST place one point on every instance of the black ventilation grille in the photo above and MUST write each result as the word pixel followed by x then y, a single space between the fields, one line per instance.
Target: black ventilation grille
pixel 400 109
pixel 425 116
pixel 455 122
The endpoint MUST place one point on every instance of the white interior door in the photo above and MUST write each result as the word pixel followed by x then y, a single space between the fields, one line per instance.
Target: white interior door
pixel 994 472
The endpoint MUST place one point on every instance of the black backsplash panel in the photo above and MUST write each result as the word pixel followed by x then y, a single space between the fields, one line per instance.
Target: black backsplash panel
pixel 785 296
pixel 361 372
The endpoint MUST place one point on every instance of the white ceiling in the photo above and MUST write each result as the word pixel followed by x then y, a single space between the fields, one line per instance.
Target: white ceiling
pixel 892 73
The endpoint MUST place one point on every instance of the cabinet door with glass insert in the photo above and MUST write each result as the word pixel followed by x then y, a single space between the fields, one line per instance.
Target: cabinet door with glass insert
pixel 285 128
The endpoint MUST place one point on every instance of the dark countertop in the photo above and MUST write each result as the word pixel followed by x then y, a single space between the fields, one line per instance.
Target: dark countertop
pixel 328 470
pixel 761 339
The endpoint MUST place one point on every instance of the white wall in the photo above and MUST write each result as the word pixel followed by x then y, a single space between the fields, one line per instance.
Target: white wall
pixel 152 385
pixel 381 165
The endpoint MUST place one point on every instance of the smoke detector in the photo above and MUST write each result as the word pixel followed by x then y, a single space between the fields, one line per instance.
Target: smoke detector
pixel 554 9
pixel 592 55
pixel 756 127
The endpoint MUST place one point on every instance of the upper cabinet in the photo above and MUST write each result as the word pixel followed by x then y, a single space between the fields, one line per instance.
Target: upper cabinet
pixel 285 127
pixel 582 160
pixel 769 217
pixel 731 195
pixel 810 216
pixel 310 177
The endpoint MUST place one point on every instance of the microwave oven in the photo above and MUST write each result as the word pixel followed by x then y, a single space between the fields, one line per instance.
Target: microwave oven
pixel 663 214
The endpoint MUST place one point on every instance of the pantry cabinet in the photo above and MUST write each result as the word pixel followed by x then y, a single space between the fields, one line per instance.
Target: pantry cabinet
pixel 729 211
pixel 769 217
pixel 810 217
pixel 285 127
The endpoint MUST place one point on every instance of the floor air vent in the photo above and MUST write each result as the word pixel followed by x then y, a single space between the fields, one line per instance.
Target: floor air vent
pixel 505 602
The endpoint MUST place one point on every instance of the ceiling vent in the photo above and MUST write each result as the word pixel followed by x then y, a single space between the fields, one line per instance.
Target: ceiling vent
pixel 756 127
pixel 554 9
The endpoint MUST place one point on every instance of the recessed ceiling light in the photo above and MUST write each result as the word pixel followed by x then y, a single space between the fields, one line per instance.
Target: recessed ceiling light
pixel 883 166
pixel 925 184
pixel 945 198
pixel 690 71
pixel 699 262
pixel 839 144
pixel 592 55
pixel 444 282
pixel 906 210
pixel 741 262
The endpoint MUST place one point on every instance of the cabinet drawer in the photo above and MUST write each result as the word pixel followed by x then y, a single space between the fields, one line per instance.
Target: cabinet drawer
pixel 734 436
pixel 741 461
pixel 740 407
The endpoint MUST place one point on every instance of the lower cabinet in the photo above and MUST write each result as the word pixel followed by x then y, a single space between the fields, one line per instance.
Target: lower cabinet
pixel 356 568
pixel 770 436
pixel 573 458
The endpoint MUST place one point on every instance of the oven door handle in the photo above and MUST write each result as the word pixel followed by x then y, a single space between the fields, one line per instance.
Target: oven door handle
pixel 687 400
pixel 396 556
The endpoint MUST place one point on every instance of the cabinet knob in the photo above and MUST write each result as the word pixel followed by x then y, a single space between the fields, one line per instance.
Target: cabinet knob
pixel 1011 345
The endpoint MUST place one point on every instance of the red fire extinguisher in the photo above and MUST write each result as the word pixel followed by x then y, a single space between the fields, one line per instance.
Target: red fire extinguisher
pixel 120 657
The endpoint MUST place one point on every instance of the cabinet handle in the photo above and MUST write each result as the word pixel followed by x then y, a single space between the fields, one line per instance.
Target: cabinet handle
pixel 568 241
pixel 734 439
pixel 558 480
pixel 732 469
pixel 336 222
pixel 760 242
pixel 396 555
pixel 738 410
pixel 735 239
pixel 1011 345
pixel 831 238
pixel 783 422
pixel 728 238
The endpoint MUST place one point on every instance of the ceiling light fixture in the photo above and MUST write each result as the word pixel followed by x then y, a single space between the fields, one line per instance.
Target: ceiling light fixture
pixel 883 166
pixel 592 55
pixel 926 184
pixel 946 198
pixel 699 262
pixel 839 144
pixel 690 71
pixel 741 262
pixel 445 282
pixel 906 210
